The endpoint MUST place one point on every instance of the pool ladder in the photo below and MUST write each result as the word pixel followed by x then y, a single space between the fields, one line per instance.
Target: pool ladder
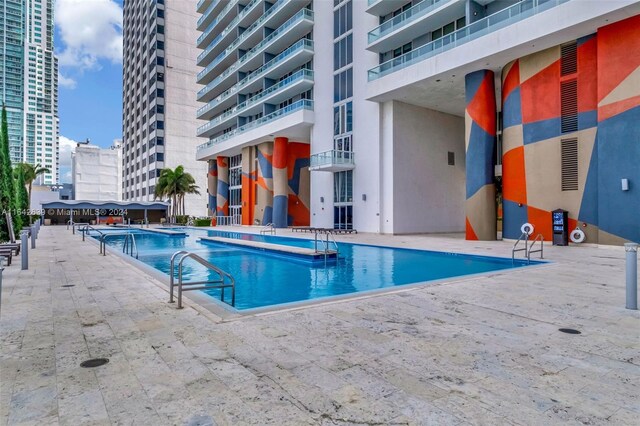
pixel 326 244
pixel 129 246
pixel 225 280
pixel 528 248
pixel 269 228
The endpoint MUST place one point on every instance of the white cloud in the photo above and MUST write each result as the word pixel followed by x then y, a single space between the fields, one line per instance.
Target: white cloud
pixel 90 30
pixel 67 147
pixel 67 82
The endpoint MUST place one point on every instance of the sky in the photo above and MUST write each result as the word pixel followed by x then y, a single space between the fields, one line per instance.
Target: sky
pixel 88 43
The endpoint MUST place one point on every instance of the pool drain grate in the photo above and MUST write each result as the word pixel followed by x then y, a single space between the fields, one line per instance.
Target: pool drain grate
pixel 68 285
pixel 569 331
pixel 96 362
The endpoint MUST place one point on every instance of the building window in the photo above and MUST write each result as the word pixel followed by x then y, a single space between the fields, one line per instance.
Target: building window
pixel 343 85
pixel 342 20
pixel 343 52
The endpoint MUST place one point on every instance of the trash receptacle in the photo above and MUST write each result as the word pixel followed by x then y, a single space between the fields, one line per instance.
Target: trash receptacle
pixel 560 226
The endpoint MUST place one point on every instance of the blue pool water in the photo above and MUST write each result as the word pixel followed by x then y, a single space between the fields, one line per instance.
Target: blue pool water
pixel 265 279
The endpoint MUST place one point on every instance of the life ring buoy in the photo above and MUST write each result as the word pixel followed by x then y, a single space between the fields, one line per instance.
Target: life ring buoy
pixel 577 236
pixel 526 228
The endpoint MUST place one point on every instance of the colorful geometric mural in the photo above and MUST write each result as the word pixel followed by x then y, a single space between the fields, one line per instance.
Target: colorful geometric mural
pixel 280 182
pixel 276 184
pixel 480 139
pixel 299 184
pixel 212 186
pixel 608 135
pixel 222 207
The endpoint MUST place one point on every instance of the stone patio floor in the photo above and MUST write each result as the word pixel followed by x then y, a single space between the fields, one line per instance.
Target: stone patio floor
pixel 482 350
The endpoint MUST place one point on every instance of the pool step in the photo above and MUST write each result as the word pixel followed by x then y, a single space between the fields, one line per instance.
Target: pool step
pixel 300 252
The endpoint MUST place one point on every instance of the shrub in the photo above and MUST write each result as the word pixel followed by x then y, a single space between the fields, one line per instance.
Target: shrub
pixel 182 219
pixel 202 221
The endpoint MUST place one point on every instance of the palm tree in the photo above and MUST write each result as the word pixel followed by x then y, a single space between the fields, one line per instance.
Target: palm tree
pixel 174 184
pixel 30 173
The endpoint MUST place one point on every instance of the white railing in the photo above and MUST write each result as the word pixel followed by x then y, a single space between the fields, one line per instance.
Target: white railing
pixel 296 106
pixel 498 20
pixel 332 157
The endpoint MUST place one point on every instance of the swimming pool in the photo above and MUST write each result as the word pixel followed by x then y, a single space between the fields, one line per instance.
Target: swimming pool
pixel 266 278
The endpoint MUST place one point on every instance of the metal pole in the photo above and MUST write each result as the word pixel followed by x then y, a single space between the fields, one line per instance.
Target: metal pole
pixel 145 218
pixel 33 237
pixel 1 269
pixel 24 249
pixel 73 229
pixel 632 275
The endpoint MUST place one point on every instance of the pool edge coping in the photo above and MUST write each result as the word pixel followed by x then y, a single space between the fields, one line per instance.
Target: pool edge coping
pixel 221 312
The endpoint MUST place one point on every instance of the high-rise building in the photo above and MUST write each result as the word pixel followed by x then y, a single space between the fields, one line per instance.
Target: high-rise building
pixel 399 116
pixel 159 103
pixel 97 173
pixel 29 83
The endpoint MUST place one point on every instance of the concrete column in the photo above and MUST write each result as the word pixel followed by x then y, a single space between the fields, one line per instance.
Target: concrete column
pixel 249 175
pixel 280 182
pixel 222 198
pixel 212 186
pixel 480 142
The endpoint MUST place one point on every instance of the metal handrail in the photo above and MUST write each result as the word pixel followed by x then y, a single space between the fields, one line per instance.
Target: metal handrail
pixel 540 238
pixel 103 238
pixel 523 237
pixel 85 230
pixel 199 285
pixel 133 247
pixel 269 228
pixel 335 243
pixel 326 250
pixel 74 224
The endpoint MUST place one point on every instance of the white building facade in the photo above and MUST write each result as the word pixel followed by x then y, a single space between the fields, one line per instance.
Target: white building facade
pixel 399 116
pixel 159 74
pixel 97 172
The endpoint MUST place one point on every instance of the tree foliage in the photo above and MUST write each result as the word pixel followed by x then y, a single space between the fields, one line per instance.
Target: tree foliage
pixel 22 196
pixel 7 184
pixel 31 173
pixel 174 185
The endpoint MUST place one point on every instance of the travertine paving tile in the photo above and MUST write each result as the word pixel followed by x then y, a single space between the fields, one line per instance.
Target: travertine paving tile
pixel 479 350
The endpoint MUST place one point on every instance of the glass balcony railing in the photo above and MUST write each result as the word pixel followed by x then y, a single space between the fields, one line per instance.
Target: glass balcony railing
pixel 206 12
pixel 332 158
pixel 296 106
pixel 292 79
pixel 410 15
pixel 301 15
pixel 296 47
pixel 244 35
pixel 221 15
pixel 498 20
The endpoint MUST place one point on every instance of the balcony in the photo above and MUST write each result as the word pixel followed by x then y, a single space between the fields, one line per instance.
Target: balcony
pixel 209 14
pixel 299 82
pixel 295 56
pixel 226 38
pixel 223 18
pixel 384 7
pixel 490 24
pixel 332 161
pixel 412 23
pixel 204 4
pixel 285 35
pixel 301 105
